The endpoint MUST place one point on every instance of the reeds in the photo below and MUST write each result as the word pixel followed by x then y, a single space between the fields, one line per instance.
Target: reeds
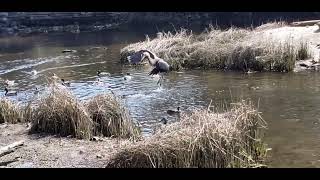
pixel 110 117
pixel 59 112
pixel 234 49
pixel 9 112
pixel 201 139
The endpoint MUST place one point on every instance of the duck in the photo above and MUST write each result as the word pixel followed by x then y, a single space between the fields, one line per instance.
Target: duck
pixel 10 93
pixel 173 112
pixel 65 83
pixel 36 91
pixel 250 71
pixel 54 76
pixel 9 83
pixel 127 77
pixel 164 120
pixel 99 73
pixel 34 72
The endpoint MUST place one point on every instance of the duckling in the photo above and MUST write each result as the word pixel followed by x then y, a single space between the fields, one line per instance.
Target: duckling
pixel 10 93
pixel 173 112
pixel 164 120
pixel 65 83
pixel 9 83
pixel 99 73
pixel 127 77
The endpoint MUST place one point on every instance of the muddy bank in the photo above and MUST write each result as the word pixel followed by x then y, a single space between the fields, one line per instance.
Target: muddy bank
pixel 51 151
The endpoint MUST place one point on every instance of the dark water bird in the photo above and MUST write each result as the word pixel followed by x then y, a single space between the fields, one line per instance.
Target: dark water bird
pixel 173 112
pixel 160 65
pixel 68 50
pixel 65 83
pixel 164 120
pixel 36 91
pixel 10 93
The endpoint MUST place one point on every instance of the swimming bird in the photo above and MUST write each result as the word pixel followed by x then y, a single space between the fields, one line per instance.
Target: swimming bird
pixel 9 83
pixel 36 91
pixel 173 112
pixel 164 120
pixel 99 73
pixel 34 72
pixel 127 77
pixel 10 93
pixel 65 83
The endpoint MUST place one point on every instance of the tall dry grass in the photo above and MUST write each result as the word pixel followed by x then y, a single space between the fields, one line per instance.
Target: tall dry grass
pixel 10 112
pixel 59 112
pixel 201 139
pixel 111 118
pixel 234 49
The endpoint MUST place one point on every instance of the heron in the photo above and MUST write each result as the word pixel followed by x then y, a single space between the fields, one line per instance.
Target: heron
pixel 10 93
pixel 160 65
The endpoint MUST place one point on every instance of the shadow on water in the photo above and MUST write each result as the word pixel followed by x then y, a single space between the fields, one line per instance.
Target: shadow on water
pixel 289 102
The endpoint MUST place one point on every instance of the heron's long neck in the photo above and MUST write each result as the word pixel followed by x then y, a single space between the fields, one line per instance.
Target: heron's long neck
pixel 152 61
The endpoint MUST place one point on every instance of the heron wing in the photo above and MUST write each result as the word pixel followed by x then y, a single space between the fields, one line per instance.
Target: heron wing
pixel 135 58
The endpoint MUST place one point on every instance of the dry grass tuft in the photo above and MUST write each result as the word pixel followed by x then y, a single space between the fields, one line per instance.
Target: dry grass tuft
pixel 202 139
pixel 234 49
pixel 110 117
pixel 59 112
pixel 9 112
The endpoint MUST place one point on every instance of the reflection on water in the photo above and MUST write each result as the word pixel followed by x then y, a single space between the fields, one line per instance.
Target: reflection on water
pixel 289 102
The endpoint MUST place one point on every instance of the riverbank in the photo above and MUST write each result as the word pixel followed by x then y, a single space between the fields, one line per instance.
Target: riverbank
pixel 200 139
pixel 270 47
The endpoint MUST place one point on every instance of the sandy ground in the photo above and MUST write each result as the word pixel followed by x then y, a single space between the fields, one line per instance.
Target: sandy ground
pixel 50 151
pixel 309 34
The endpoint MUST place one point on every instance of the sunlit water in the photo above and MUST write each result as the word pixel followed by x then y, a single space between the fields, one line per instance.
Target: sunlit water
pixel 289 101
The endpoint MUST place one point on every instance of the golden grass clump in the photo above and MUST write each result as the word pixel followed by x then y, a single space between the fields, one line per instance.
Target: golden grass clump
pixel 234 49
pixel 57 111
pixel 9 112
pixel 110 117
pixel 202 139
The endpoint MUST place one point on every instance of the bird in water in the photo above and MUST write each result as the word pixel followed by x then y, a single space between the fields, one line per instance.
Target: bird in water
pixel 164 120
pixel 34 72
pixel 160 65
pixel 9 83
pixel 127 76
pixel 65 83
pixel 10 93
pixel 100 73
pixel 250 71
pixel 173 112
